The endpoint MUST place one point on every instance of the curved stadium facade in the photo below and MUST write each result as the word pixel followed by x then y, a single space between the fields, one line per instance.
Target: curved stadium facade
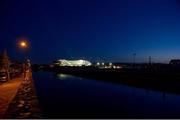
pixel 72 63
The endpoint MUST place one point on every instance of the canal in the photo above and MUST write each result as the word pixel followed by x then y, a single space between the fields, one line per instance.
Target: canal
pixel 66 96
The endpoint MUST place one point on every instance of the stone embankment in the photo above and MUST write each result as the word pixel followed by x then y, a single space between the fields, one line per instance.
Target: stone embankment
pixel 25 104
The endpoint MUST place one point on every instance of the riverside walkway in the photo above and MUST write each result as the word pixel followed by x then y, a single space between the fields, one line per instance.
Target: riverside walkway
pixel 18 98
pixel 25 104
pixel 8 91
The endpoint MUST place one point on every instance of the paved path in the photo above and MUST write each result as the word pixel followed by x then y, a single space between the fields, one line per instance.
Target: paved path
pixel 25 104
pixel 8 91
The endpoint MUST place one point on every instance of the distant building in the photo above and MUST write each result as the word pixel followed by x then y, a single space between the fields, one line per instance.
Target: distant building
pixel 175 62
pixel 64 62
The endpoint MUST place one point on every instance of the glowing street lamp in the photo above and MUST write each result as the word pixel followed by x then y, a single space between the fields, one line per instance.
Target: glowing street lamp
pixel 23 44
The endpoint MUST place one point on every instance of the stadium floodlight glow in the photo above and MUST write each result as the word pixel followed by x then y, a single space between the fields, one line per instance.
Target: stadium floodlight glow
pixel 72 63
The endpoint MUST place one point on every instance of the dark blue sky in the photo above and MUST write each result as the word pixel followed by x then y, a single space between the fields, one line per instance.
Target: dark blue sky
pixel 100 30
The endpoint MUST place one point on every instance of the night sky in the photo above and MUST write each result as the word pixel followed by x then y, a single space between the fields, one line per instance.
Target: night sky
pixel 97 30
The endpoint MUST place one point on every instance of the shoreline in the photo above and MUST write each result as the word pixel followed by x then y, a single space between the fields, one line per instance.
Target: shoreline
pixel 25 104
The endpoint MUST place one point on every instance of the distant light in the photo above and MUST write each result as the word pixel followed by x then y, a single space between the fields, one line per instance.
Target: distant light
pixel 110 64
pixel 118 67
pixel 97 63
pixel 102 63
pixel 107 67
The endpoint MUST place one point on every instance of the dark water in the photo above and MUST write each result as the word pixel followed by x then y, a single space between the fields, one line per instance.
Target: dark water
pixel 66 96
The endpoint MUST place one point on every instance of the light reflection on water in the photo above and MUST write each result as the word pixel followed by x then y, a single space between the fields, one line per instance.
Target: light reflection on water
pixel 64 76
pixel 76 96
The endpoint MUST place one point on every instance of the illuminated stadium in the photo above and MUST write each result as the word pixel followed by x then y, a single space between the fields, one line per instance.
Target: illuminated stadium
pixel 64 62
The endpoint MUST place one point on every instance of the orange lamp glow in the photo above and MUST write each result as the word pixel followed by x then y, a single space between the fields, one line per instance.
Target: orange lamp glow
pixel 23 44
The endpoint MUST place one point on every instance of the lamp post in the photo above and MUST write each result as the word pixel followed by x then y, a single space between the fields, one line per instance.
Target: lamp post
pixel 23 44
